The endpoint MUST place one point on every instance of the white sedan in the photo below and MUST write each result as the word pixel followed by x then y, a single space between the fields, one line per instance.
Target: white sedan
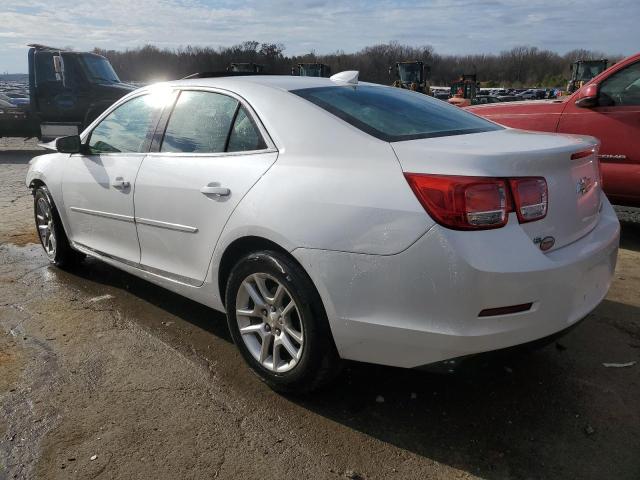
pixel 333 219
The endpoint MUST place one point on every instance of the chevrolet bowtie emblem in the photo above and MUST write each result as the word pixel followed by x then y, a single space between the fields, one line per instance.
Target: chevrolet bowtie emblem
pixel 584 185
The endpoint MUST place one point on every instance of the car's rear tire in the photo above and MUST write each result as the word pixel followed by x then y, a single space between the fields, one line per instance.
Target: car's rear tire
pixel 278 323
pixel 50 231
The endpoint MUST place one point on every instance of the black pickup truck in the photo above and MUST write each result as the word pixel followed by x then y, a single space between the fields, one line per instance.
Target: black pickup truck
pixel 67 91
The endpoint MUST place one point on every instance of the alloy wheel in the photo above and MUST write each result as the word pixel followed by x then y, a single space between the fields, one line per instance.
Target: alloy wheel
pixel 46 231
pixel 269 322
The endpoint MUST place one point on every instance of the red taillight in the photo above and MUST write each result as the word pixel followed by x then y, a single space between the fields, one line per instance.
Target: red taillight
pixel 479 203
pixel 530 197
pixel 462 203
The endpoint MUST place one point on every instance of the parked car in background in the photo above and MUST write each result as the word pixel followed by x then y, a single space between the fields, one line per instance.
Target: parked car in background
pixel 482 99
pixel 15 99
pixel 526 95
pixel 335 219
pixel 508 98
pixel 531 94
pixel 441 93
pixel 608 107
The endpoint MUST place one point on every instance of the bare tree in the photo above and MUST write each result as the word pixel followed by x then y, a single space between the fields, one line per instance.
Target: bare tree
pixel 520 66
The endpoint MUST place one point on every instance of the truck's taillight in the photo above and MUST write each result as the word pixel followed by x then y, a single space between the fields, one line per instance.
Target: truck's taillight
pixel 479 203
pixel 462 203
pixel 530 198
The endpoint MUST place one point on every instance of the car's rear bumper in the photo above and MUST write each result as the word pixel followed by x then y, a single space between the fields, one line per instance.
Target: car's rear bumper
pixel 422 305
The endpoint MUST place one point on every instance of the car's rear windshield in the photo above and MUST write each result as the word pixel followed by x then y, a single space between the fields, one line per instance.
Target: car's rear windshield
pixel 394 114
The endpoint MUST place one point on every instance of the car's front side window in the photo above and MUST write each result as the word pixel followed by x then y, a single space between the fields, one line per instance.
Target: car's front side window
pixel 125 129
pixel 199 123
pixel 623 87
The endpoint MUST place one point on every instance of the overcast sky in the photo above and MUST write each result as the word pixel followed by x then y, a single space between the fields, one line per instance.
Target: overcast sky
pixel 450 26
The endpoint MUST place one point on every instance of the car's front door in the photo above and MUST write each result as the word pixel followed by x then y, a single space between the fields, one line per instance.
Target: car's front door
pixel 212 152
pixel 616 122
pixel 98 186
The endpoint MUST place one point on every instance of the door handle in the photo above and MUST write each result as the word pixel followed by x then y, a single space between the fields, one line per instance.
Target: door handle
pixel 120 183
pixel 217 191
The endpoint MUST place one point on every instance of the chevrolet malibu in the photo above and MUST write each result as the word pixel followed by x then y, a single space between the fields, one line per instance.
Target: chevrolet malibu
pixel 332 219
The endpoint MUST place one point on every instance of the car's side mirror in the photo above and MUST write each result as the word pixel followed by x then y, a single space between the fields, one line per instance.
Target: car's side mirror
pixel 70 144
pixel 588 96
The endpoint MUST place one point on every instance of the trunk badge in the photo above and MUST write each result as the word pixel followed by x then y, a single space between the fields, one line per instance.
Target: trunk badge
pixel 584 185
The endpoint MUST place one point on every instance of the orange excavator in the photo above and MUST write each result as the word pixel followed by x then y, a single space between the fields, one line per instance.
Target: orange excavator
pixel 464 90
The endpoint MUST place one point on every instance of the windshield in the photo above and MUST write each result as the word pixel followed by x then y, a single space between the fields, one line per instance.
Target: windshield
pixel 394 114
pixel 586 71
pixel 409 72
pixel 99 69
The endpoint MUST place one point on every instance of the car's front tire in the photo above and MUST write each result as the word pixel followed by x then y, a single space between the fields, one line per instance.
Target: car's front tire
pixel 50 231
pixel 278 322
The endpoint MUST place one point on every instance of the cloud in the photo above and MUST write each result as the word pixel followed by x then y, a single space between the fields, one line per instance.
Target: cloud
pixel 450 26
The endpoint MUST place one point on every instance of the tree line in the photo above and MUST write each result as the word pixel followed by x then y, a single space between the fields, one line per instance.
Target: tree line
pixel 519 67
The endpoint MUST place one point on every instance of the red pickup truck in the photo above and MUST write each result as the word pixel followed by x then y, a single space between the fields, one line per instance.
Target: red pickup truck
pixel 608 107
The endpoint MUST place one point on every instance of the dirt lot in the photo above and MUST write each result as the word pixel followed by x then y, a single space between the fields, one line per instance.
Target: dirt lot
pixel 105 376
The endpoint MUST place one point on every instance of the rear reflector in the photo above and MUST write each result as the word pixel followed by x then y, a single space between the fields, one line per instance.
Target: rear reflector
pixel 530 198
pixel 583 153
pixel 492 312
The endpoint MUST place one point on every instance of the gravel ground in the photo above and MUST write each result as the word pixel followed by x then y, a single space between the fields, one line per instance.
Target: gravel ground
pixel 103 375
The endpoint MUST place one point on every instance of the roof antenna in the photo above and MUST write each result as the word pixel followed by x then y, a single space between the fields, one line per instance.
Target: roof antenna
pixel 349 76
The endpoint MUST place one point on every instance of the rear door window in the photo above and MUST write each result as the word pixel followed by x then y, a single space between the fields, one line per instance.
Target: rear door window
pixel 200 123
pixel 394 114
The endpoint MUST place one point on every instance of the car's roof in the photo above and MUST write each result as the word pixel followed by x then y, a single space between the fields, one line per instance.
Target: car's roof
pixel 280 82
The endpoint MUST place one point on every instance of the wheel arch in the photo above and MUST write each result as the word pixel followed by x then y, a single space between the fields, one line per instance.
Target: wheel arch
pixel 37 180
pixel 239 248
pixel 35 183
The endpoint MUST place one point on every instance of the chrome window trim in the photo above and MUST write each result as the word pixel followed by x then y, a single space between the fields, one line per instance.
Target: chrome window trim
pixel 216 154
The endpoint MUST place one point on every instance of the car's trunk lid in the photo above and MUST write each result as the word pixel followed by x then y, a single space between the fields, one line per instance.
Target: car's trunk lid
pixel 574 189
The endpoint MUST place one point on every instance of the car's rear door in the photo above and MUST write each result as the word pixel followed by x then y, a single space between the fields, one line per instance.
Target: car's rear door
pixel 212 151
pixel 616 122
pixel 98 186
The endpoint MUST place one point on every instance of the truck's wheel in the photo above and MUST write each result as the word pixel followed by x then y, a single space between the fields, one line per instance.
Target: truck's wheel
pixel 278 323
pixel 51 232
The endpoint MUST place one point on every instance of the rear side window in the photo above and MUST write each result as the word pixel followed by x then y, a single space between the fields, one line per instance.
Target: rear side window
pixel 394 114
pixel 245 135
pixel 200 123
